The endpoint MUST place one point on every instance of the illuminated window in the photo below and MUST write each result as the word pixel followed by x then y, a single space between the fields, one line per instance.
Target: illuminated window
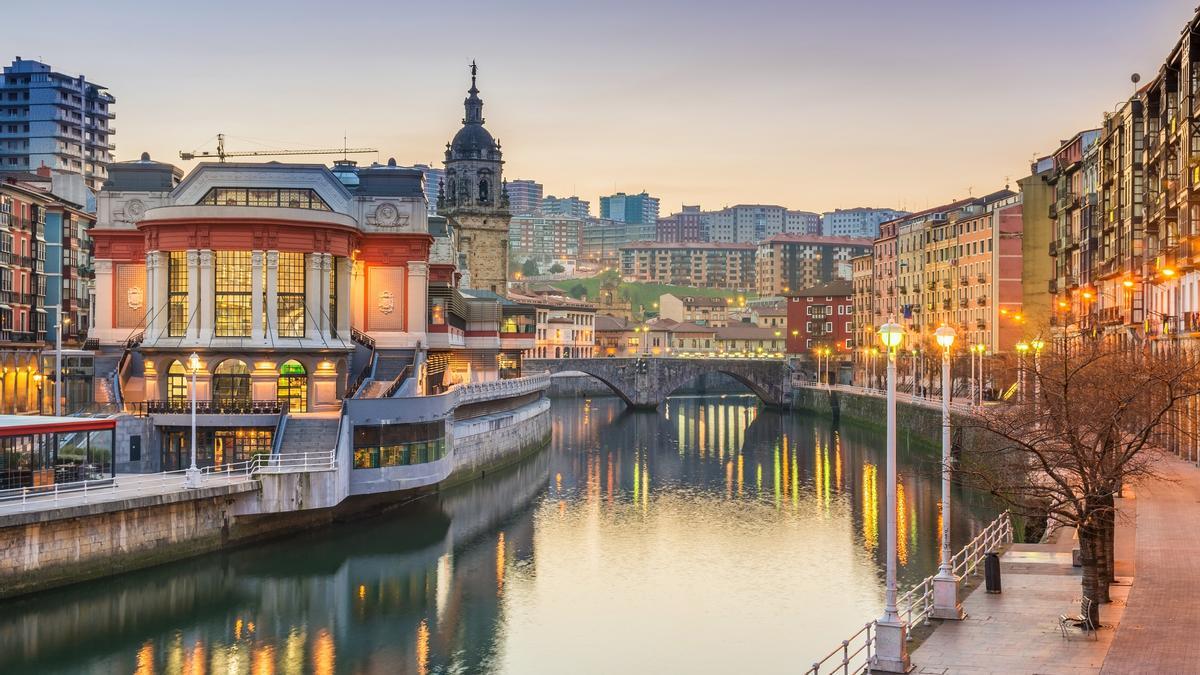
pixel 437 312
pixel 279 197
pixel 177 294
pixel 333 304
pixel 233 298
pixel 177 384
pixel 290 290
pixel 231 384
pixel 293 386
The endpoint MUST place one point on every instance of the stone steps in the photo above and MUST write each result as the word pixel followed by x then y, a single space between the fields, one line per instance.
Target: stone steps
pixel 303 434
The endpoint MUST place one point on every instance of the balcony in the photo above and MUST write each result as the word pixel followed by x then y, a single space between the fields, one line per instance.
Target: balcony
pixel 980 324
pixel 1053 247
pixel 981 301
pixel 963 302
pixel 904 289
pixel 963 281
pixel 1053 286
pixel 1111 315
pixel 982 278
pixel 945 304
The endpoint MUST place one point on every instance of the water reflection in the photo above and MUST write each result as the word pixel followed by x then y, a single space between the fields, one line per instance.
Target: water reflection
pixel 713 536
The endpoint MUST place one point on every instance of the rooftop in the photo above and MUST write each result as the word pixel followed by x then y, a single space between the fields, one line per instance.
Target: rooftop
pixel 707 245
pixel 817 240
pixel 833 288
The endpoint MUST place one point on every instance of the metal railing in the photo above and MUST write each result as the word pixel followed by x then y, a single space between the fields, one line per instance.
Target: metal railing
pixel 209 407
pixel 396 383
pixel 854 654
pixel 132 485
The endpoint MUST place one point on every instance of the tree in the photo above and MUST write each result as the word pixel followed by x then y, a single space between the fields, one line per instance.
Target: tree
pixel 529 268
pixel 557 269
pixel 578 291
pixel 1094 424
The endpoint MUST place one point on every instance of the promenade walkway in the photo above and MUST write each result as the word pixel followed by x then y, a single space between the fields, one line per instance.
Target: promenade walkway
pixel 122 488
pixel 1158 631
pixel 1016 632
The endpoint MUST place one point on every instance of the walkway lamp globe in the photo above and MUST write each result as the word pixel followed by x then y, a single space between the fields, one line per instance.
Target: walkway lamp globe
pixel 1128 283
pixel 891 632
pixel 945 584
pixel 1037 344
pixel 191 477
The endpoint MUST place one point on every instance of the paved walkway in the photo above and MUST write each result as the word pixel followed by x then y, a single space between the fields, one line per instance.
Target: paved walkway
pixel 124 486
pixel 1017 631
pixel 1158 632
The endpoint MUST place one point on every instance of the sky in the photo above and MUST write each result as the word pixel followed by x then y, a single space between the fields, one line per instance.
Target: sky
pixel 812 105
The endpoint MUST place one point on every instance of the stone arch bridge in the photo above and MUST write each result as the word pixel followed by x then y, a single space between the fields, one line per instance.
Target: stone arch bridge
pixel 645 382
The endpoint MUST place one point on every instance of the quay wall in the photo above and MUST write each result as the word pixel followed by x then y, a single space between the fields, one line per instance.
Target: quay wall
pixel 55 547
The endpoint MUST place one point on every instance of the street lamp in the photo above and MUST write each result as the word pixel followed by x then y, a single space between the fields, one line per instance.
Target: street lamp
pixel 59 323
pixel 945 584
pixel 1022 347
pixel 191 477
pixel 828 369
pixel 891 647
pixel 37 380
pixel 979 349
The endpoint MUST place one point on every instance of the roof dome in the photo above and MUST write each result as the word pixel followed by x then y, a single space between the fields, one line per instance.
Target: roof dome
pixel 472 138
pixel 473 141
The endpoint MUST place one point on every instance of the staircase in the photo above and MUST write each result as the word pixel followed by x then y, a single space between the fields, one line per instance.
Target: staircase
pixel 104 365
pixel 389 364
pixel 305 433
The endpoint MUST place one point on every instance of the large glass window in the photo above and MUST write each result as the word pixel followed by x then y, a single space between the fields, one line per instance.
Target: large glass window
pixel 294 199
pixel 231 384
pixel 398 444
pixel 290 290
pixel 293 386
pixel 177 384
pixel 177 293
pixel 233 297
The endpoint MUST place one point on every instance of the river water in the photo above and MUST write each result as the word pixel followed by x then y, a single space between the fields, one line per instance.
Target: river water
pixel 711 536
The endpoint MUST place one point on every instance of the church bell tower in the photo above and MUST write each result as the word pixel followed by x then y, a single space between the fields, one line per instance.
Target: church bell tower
pixel 474 198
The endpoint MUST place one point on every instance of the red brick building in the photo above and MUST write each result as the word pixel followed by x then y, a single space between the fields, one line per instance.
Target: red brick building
pixel 821 316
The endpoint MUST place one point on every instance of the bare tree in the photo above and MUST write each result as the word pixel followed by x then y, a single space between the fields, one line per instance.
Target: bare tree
pixel 1089 423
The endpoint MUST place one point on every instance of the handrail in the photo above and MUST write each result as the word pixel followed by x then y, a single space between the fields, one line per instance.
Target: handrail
pixel 206 407
pixel 280 426
pixel 916 604
pixel 362 338
pixel 396 383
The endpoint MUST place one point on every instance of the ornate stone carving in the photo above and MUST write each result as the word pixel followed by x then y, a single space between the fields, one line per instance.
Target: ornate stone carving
pixel 256 258
pixel 314 262
pixel 387 302
pixel 206 259
pixel 193 258
pixel 272 260
pixel 133 297
pixel 134 210
pixel 387 215
pixel 326 262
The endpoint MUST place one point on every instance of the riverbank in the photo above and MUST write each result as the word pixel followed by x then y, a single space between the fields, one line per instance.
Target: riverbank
pixel 143 520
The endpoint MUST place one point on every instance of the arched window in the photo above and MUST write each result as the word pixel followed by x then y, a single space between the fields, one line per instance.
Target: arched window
pixel 293 386
pixel 231 384
pixel 483 191
pixel 177 384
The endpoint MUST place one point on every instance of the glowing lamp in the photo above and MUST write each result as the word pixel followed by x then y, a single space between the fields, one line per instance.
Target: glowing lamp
pixel 1062 304
pixel 37 378
pixel 1168 272
pixel 1128 283
pixel 194 361
pixel 944 336
pixel 1037 344
pixel 1022 347
pixel 891 335
pixel 1088 295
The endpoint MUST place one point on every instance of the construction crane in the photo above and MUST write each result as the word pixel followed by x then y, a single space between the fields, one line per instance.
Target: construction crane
pixel 221 153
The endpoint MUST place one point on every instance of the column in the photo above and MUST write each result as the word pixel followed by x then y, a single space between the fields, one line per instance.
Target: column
pixel 312 296
pixel 272 327
pixel 256 297
pixel 344 272
pixel 418 291
pixel 156 295
pixel 194 300
pixel 207 296
pixel 325 318
pixel 102 318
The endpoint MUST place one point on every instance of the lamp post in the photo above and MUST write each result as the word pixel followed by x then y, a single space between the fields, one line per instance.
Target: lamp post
pixel 1022 347
pixel 874 360
pixel 828 370
pixel 945 584
pixel 191 477
pixel 891 647
pixel 58 331
pixel 37 380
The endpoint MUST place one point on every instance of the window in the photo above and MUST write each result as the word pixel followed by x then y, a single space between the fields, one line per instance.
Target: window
pixel 177 294
pixel 177 384
pixel 398 444
pixel 294 199
pixel 293 386
pixel 231 384
pixel 232 282
pixel 290 290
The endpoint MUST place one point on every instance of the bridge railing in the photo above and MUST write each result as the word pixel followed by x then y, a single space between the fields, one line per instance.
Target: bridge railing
pixel 916 604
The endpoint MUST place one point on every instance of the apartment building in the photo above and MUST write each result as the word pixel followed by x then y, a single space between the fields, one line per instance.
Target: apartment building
pixel 545 239
pixel 862 281
pixel 698 309
pixel 857 222
pixel 821 317
pixel 682 226
pixel 54 120
pixel 524 197
pixel 699 264
pixel 786 263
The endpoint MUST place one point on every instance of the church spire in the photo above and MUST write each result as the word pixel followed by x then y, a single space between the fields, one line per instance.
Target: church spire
pixel 473 104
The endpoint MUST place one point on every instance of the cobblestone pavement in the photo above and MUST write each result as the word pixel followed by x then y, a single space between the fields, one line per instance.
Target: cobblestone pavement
pixel 1016 632
pixel 1158 633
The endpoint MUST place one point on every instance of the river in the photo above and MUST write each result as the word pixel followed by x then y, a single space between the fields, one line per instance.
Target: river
pixel 711 536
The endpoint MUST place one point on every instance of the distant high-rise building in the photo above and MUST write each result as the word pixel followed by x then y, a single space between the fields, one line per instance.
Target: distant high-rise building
pixel 857 222
pixel 601 240
pixel 572 207
pixel 54 120
pixel 434 178
pixel 524 197
pixel 786 263
pixel 682 226
pixel 639 209
pixel 546 239
pixel 801 222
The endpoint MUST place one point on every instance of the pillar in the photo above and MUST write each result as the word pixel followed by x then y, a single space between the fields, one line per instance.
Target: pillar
pixel 102 318
pixel 257 330
pixel 418 292
pixel 208 293
pixel 156 295
pixel 194 300
pixel 325 317
pixel 272 327
pixel 312 296
pixel 344 304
